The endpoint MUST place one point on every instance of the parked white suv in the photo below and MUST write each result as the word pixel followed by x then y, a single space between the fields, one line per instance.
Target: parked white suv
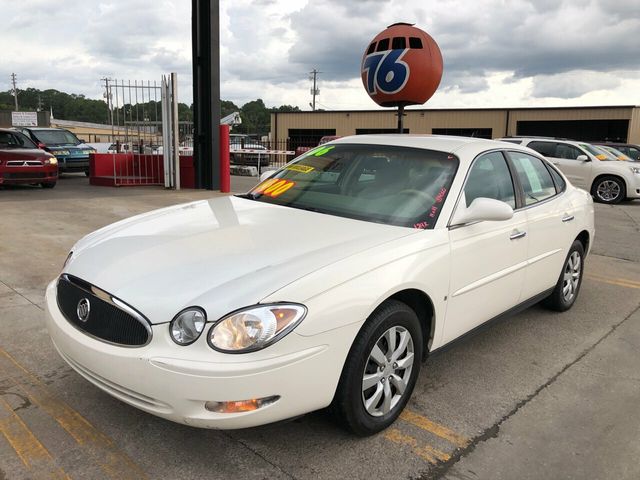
pixel 587 167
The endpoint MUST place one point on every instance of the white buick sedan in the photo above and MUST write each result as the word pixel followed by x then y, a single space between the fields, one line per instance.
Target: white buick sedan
pixel 327 284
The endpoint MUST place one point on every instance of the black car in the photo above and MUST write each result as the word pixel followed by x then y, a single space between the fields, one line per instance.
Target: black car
pixel 629 149
pixel 71 152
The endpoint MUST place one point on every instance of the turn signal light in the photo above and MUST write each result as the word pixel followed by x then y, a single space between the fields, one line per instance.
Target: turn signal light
pixel 240 406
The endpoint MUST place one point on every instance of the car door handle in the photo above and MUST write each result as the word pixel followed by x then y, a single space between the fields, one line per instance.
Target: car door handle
pixel 568 218
pixel 516 235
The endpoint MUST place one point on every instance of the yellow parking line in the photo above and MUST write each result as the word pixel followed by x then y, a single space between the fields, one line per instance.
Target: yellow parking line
pixel 440 430
pixel 114 462
pixel 426 452
pixel 33 454
pixel 621 282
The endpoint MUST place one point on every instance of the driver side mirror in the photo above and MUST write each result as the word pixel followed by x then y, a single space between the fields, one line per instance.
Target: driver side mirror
pixel 482 209
pixel 583 158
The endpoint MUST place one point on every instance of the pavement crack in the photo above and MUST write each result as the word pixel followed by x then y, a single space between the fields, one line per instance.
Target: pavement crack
pixel 441 468
pixel 633 220
pixel 258 454
pixel 21 295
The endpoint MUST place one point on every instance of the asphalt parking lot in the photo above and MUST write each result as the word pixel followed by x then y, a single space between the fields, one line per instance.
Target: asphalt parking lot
pixel 540 395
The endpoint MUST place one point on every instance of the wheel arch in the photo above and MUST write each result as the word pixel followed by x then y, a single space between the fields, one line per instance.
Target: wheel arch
pixel 614 175
pixel 585 239
pixel 423 306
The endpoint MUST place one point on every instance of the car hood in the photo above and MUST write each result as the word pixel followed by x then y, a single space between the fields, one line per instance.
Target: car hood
pixel 24 154
pixel 221 254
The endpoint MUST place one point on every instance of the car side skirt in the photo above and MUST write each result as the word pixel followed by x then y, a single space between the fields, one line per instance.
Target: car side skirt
pixel 493 321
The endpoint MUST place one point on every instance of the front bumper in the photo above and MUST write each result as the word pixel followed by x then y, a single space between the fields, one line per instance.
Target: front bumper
pixel 28 175
pixel 174 382
pixel 73 164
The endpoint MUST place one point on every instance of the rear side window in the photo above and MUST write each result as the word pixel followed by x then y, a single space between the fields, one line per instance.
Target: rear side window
pixel 548 149
pixel 489 177
pixel 558 180
pixel 535 178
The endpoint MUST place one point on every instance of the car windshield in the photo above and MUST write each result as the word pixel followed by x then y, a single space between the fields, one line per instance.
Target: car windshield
pixel 599 153
pixel 56 137
pixel 616 153
pixel 376 183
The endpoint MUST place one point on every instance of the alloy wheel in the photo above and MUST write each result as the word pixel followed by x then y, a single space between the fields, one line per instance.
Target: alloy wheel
pixel 608 190
pixel 387 371
pixel 571 278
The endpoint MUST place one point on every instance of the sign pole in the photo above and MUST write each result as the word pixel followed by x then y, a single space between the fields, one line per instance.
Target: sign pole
pixel 400 118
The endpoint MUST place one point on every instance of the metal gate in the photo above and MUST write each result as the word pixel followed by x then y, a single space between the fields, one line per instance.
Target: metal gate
pixel 145 133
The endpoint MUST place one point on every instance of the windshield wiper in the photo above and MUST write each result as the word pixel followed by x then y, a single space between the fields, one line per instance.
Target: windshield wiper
pixel 248 196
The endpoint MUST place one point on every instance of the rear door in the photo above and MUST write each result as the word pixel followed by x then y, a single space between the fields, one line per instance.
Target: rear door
pixel 550 218
pixel 565 157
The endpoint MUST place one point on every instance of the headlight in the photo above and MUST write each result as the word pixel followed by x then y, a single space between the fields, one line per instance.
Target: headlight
pixel 187 326
pixel 635 170
pixel 255 328
pixel 61 152
pixel 51 161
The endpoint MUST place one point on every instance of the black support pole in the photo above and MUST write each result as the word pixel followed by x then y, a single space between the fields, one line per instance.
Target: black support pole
pixel 400 118
pixel 205 38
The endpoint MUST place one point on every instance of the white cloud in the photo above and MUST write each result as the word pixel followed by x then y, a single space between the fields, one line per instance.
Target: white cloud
pixel 496 53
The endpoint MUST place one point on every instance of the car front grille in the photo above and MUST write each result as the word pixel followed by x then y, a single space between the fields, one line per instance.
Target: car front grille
pixel 23 163
pixel 23 176
pixel 107 318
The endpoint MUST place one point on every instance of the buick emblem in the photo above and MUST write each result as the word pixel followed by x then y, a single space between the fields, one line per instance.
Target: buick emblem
pixel 84 307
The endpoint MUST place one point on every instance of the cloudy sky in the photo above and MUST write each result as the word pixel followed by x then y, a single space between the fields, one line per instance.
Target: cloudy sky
pixel 497 53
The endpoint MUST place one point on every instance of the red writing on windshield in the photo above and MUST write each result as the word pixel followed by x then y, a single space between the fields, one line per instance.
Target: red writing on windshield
pixel 441 195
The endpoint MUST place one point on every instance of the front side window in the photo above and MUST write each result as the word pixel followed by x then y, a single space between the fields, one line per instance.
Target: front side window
pixel 567 151
pixel 376 183
pixel 534 177
pixel 489 177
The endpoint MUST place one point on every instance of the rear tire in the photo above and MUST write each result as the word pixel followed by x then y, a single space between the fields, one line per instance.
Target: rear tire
pixel 48 185
pixel 609 189
pixel 381 370
pixel 566 290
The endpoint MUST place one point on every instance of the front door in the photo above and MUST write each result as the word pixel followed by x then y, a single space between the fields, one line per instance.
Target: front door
pixel 488 258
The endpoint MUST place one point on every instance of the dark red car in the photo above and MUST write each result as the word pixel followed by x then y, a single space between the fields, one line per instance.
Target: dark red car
pixel 22 162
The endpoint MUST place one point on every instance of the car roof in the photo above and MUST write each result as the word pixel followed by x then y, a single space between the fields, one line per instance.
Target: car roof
pixel 43 128
pixel 469 147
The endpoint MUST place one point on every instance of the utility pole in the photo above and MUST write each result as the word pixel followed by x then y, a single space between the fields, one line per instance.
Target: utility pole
pixel 15 90
pixel 107 96
pixel 313 75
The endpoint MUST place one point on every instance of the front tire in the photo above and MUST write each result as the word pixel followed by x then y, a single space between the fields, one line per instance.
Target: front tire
pixel 48 184
pixel 609 189
pixel 566 290
pixel 381 370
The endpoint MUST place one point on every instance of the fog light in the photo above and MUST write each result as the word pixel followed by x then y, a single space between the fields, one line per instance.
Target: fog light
pixel 241 405
pixel 187 326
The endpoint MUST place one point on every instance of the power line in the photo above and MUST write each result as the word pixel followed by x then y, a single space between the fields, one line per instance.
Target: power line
pixel 313 75
pixel 15 90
